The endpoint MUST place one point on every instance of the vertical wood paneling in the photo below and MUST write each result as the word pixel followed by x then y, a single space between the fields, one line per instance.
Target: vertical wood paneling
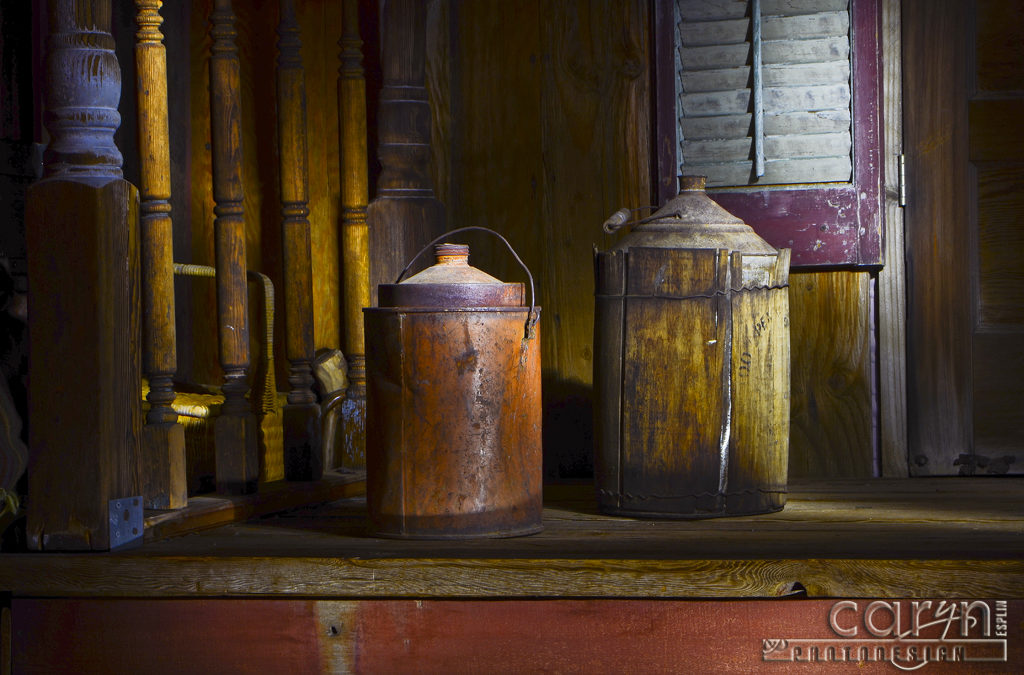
pixel 832 369
pixel 595 127
pixel 892 289
pixel 566 84
pixel 997 158
pixel 938 243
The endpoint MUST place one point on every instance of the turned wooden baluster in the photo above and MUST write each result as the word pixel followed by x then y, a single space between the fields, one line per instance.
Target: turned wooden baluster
pixel 237 469
pixel 355 239
pixel 405 215
pixel 85 411
pixel 303 454
pixel 163 439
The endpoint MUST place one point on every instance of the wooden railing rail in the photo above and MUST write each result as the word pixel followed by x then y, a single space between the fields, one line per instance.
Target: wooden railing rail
pixel 86 230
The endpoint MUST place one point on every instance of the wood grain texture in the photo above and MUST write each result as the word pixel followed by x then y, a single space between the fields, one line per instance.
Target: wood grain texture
pixel 84 328
pixel 849 538
pixel 163 438
pixel 355 235
pixel 892 283
pixel 319 22
pixel 264 635
pixel 1000 241
pixel 206 511
pixel 405 215
pixel 833 373
pixel 474 636
pixel 999 62
pixel 998 394
pixel 235 428
pixel 303 449
pixel 570 82
pixel 467 636
pixel 84 264
pixel 938 245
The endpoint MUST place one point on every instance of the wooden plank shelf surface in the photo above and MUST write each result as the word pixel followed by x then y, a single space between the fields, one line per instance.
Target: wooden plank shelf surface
pixel 954 537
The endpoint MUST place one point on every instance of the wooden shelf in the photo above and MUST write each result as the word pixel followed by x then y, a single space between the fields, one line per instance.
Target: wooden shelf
pixel 954 537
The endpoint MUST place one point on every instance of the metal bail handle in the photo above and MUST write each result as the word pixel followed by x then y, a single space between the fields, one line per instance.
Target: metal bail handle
pixel 532 316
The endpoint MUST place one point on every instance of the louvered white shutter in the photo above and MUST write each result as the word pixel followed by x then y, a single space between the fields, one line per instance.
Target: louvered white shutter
pixel 801 85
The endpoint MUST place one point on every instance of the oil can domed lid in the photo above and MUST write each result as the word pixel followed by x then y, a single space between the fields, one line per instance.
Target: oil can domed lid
pixel 692 219
pixel 451 283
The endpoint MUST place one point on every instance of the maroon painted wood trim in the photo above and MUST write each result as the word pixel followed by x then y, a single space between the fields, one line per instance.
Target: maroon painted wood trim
pixel 834 225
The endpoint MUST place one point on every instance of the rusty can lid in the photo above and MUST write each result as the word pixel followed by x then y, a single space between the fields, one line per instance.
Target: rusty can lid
pixel 451 283
pixel 693 220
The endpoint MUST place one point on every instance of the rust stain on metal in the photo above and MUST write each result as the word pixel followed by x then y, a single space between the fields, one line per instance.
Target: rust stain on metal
pixel 453 405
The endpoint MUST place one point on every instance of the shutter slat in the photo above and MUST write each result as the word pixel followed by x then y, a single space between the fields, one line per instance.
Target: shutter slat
pixel 806 51
pixel 806 26
pixel 732 31
pixel 809 99
pixel 735 102
pixel 791 7
pixel 715 56
pixel 706 10
pixel 777 172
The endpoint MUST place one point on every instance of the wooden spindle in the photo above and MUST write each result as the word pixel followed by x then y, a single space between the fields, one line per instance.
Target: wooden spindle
pixel 405 215
pixel 85 411
pixel 235 430
pixel 163 439
pixel 355 239
pixel 303 452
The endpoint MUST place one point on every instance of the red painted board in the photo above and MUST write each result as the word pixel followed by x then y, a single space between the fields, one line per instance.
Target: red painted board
pixel 164 636
pixel 515 636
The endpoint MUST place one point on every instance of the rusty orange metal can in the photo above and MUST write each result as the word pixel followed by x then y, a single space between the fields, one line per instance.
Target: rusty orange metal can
pixel 453 430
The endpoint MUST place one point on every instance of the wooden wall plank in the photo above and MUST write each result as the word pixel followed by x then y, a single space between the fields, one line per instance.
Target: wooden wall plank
pixel 993 135
pixel 998 404
pixel 833 371
pixel 1000 240
pixel 449 636
pixel 892 290
pixel 569 82
pixel 999 61
pixel 938 246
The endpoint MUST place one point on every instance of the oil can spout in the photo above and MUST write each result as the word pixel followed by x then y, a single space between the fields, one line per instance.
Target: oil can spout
pixel 615 221
pixel 692 183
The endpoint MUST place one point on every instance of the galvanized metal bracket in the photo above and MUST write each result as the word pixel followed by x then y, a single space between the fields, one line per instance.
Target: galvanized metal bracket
pixel 126 526
pixel 903 179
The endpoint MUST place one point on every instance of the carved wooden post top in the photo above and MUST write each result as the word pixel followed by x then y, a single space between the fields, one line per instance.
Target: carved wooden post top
pixel 84 89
